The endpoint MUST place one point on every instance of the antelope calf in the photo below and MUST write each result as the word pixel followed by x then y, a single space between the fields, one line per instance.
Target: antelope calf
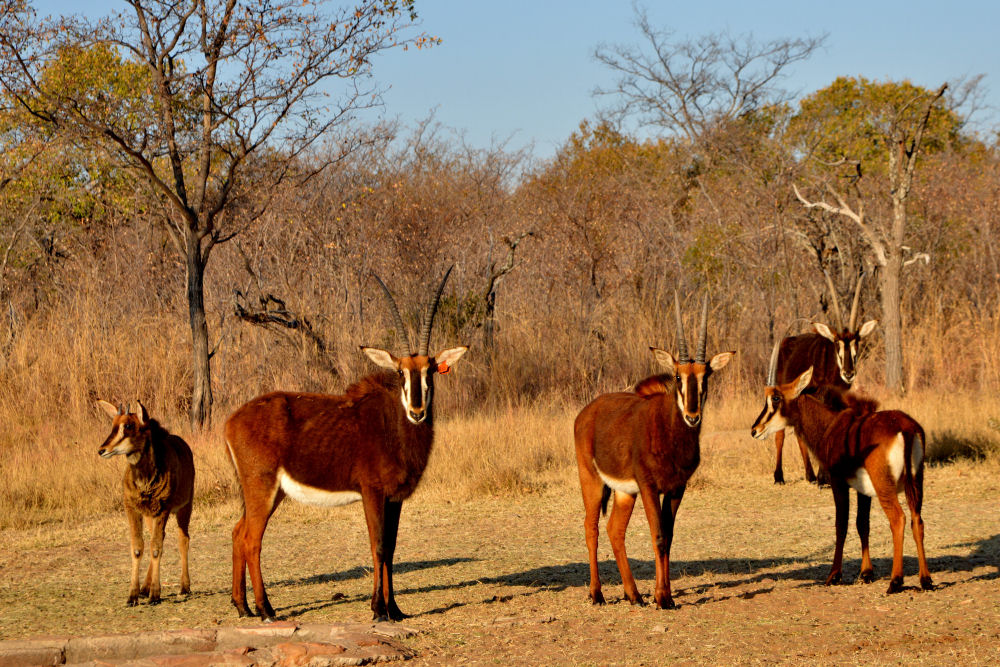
pixel 831 353
pixel 878 453
pixel 369 444
pixel 158 482
pixel 644 442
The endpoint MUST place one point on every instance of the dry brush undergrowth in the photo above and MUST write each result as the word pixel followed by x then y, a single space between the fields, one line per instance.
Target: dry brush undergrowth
pixel 504 429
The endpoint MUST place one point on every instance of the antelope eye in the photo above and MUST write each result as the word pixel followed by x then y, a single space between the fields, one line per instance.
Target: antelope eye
pixel 776 399
pixel 677 378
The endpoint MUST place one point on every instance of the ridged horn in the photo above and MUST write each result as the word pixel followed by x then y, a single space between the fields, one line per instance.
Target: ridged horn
pixel 853 323
pixel 835 302
pixel 772 365
pixel 682 350
pixel 428 319
pixel 699 357
pixel 394 311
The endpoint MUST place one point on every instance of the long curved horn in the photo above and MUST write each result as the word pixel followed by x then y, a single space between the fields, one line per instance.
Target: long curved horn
pixel 835 301
pixel 699 357
pixel 682 348
pixel 394 310
pixel 853 322
pixel 428 319
pixel 772 365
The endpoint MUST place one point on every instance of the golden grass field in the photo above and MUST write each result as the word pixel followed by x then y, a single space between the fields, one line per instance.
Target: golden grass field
pixel 491 560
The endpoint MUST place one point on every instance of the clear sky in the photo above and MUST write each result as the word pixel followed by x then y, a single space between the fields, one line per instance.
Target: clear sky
pixel 524 69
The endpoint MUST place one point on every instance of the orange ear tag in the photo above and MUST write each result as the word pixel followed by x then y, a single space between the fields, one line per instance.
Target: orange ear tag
pixel 443 368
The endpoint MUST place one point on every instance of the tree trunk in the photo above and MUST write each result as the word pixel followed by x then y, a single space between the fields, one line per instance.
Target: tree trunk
pixel 890 276
pixel 201 390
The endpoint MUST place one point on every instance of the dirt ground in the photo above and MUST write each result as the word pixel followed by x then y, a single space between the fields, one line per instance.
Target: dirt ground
pixel 504 580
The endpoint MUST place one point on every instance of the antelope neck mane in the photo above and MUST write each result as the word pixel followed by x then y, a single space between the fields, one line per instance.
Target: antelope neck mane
pixel 655 385
pixel 838 400
pixel 376 382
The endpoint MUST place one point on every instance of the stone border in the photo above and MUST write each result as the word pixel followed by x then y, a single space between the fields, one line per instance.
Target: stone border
pixel 281 643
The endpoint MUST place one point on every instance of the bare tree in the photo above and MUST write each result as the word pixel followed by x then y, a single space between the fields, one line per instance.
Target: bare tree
pixel 227 97
pixel 686 85
pixel 886 237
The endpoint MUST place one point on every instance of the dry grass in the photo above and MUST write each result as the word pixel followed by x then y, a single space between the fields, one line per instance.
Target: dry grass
pixel 505 429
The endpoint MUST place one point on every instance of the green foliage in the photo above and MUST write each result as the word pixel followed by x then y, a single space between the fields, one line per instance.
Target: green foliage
pixel 858 119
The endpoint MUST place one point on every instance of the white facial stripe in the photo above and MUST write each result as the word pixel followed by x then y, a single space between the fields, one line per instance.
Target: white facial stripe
pixel 405 395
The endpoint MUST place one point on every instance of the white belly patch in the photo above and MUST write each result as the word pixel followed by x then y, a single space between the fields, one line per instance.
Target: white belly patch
pixel 312 496
pixel 862 483
pixel 629 486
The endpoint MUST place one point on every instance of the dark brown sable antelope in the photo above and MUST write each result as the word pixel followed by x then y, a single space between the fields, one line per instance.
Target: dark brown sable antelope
pixel 878 453
pixel 158 482
pixel 833 356
pixel 369 444
pixel 644 442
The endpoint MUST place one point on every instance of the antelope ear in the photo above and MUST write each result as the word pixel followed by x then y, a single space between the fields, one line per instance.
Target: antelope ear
pixel 720 360
pixel 381 358
pixel 824 331
pixel 867 328
pixel 111 410
pixel 141 412
pixel 665 358
pixel 801 383
pixel 447 358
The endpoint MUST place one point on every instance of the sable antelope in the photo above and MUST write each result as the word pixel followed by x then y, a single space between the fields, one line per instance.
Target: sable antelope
pixel 158 482
pixel 878 453
pixel 833 356
pixel 644 442
pixel 369 444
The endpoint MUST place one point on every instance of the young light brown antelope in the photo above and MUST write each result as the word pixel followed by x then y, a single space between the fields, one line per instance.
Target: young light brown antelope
pixel 644 442
pixel 878 453
pixel 831 353
pixel 158 482
pixel 369 444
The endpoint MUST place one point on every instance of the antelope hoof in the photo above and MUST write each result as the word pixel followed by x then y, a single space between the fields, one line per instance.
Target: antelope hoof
pixel 636 601
pixel 265 611
pixel 596 598
pixel 666 604
pixel 133 600
pixel 779 477
pixel 154 599
pixel 185 590
pixel 833 579
pixel 895 585
pixel 926 583
pixel 241 608
pixel 394 613
pixel 823 478
pixel 867 576
pixel 810 477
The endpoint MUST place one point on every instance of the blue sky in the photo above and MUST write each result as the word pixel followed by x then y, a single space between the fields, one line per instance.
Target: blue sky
pixel 524 70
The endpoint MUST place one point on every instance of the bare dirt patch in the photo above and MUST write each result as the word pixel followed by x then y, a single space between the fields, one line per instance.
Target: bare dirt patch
pixel 504 580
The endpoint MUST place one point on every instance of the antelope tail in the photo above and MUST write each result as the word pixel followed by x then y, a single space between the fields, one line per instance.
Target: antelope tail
pixel 605 496
pixel 913 480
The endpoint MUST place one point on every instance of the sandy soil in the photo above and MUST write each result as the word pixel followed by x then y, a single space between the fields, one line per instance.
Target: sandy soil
pixel 502 581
